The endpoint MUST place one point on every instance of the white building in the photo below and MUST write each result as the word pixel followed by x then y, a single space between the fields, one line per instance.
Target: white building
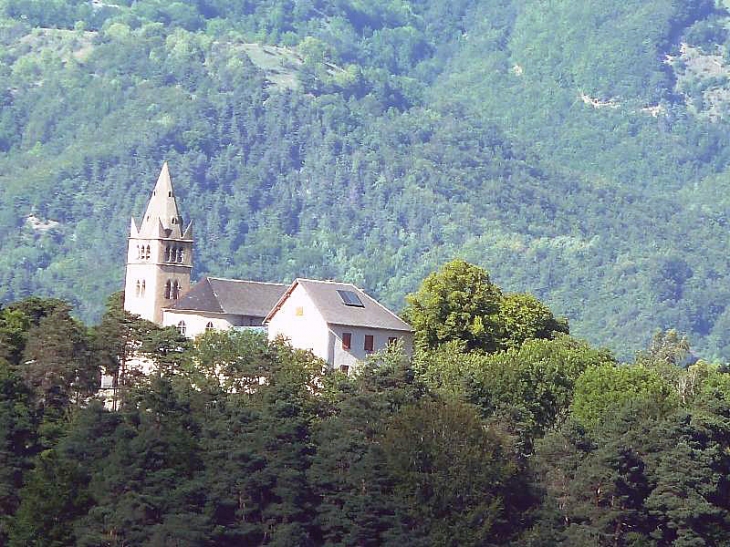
pixel 216 303
pixel 337 321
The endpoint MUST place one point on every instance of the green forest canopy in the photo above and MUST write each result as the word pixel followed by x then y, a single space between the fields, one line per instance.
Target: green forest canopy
pixel 236 440
pixel 578 151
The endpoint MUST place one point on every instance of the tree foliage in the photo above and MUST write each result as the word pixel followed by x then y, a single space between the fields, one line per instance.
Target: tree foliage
pixel 371 143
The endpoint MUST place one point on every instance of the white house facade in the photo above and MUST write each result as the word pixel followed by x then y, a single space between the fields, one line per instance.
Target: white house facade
pixel 338 322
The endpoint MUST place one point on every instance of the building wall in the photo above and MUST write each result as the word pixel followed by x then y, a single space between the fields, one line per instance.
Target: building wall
pixel 154 272
pixel 299 321
pixel 349 358
pixel 310 331
pixel 196 322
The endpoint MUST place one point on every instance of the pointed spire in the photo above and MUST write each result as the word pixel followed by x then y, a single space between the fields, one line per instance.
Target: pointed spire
pixel 133 231
pixel 188 231
pixel 162 218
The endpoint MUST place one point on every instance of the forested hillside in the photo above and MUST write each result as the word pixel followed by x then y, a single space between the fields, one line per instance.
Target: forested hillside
pixel 501 429
pixel 578 150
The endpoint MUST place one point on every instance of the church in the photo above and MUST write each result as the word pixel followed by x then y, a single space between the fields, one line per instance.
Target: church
pixel 338 322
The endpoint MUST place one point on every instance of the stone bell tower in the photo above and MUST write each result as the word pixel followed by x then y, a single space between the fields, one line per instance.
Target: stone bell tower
pixel 160 255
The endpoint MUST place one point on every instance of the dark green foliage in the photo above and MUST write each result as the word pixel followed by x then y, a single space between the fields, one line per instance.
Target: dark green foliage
pixel 455 477
pixel 17 442
pixel 55 494
pixel 640 480
pixel 450 448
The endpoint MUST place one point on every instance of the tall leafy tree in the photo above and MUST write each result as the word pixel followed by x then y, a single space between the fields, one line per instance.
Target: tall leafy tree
pixel 459 302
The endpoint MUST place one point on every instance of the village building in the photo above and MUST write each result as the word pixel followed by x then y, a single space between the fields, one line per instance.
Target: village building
pixel 336 321
pixel 216 303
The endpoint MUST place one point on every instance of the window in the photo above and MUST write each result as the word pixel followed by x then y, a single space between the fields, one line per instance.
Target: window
pixel 107 381
pixel 344 368
pixel 392 340
pixel 139 252
pixel 181 327
pixel 369 342
pixel 138 292
pixel 168 289
pixel 167 254
pixel 180 254
pixel 346 340
pixel 299 312
pixel 143 287
pixel 349 298
pixel 175 290
pixel 147 254
pixel 209 326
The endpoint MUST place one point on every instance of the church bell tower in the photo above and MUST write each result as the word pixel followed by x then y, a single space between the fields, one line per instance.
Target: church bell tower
pixel 160 255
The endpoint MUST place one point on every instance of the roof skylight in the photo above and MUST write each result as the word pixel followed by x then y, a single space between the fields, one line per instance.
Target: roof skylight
pixel 349 298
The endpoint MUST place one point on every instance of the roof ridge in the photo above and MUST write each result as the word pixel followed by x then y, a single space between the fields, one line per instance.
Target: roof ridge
pixel 247 281
pixel 327 281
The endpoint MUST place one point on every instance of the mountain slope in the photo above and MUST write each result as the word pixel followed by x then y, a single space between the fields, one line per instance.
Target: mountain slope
pixel 372 142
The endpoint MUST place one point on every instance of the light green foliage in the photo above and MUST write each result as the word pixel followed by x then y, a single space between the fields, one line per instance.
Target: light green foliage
pixel 604 389
pixel 524 317
pixel 457 303
pixel 525 391
pixel 460 304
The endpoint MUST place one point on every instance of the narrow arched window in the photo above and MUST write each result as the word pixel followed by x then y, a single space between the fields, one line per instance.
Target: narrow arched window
pixel 168 289
pixel 143 287
pixel 180 254
pixel 147 254
pixel 167 254
pixel 181 327
pixel 209 326
pixel 138 292
pixel 175 290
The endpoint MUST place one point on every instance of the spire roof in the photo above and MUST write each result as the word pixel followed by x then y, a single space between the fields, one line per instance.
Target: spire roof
pixel 162 218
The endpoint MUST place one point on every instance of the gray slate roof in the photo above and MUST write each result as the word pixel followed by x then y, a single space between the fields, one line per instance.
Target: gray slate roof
pixel 334 311
pixel 231 296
